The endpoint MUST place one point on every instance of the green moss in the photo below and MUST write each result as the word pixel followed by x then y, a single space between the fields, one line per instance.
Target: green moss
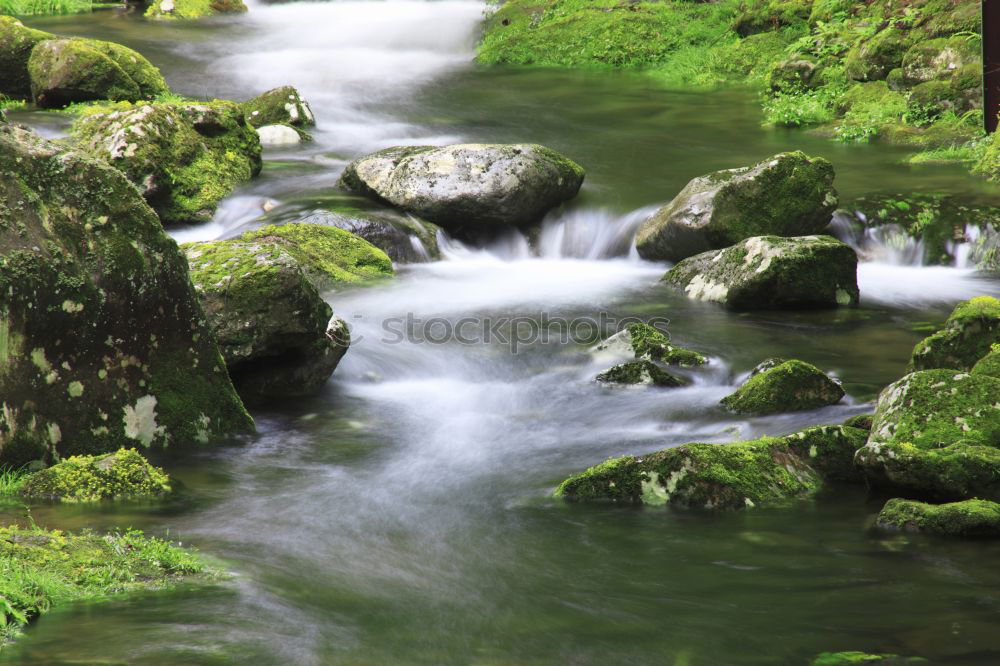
pixel 861 421
pixel 16 43
pixel 988 365
pixel 640 372
pixel 281 106
pixel 124 474
pixel 792 386
pixel 650 344
pixel 971 518
pixel 329 255
pixel 967 336
pixel 852 658
pixel 41 570
pixel 193 9
pixel 830 450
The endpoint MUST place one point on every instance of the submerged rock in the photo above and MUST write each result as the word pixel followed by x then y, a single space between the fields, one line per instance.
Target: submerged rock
pixel 771 273
pixel 124 474
pixel 468 187
pixel 787 387
pixel 406 239
pixel 640 373
pixel 184 158
pixel 967 336
pixel 936 433
pixel 16 43
pixel 102 338
pixel 971 518
pixel 64 71
pixel 281 106
pixel 644 342
pixel 789 194
pixel 193 9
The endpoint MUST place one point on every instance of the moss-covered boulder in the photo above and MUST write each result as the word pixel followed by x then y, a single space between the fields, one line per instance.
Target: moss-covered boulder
pixel 183 157
pixel 193 9
pixel 786 387
pixel 988 365
pixel 468 187
pixel 936 434
pixel 103 342
pixel 772 273
pixel 861 421
pixel 281 106
pixel 124 474
pixel 830 450
pixel 274 329
pixel 873 58
pixel 405 238
pixel 971 518
pixel 64 71
pixel 16 43
pixel 967 336
pixel 939 58
pixel 646 343
pixel 789 194
pixel 639 373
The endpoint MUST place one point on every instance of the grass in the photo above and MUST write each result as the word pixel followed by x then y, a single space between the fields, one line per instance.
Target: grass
pixel 12 481
pixel 42 7
pixel 8 104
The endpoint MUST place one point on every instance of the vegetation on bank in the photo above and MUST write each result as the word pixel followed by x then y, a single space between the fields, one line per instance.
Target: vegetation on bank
pixel 47 7
pixel 906 72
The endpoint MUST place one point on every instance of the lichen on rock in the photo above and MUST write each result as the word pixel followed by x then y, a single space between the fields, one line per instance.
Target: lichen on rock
pixel 124 474
pixel 786 387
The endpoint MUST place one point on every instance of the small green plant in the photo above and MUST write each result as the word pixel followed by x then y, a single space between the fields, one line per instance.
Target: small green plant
pixel 43 7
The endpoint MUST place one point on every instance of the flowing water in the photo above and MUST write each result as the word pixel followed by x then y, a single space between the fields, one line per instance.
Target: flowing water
pixel 404 515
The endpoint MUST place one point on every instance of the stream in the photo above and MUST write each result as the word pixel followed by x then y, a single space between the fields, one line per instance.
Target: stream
pixel 403 516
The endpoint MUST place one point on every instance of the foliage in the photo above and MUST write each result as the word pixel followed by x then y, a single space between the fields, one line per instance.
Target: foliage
pixel 43 7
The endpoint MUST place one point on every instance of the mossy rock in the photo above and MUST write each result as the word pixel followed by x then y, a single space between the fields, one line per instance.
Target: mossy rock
pixel 281 106
pixel 967 336
pixel 935 434
pixel 405 238
pixel 788 387
pixel 971 518
pixel 794 74
pixel 646 343
pixel 470 188
pixel 861 421
pixel 939 58
pixel 988 365
pixel 103 343
pixel 66 71
pixel 16 43
pixel 873 59
pixel 124 474
pixel 758 16
pixel 640 373
pixel 185 158
pixel 789 194
pixel 854 658
pixel 328 256
pixel 193 9
pixel 761 472
pixel 772 273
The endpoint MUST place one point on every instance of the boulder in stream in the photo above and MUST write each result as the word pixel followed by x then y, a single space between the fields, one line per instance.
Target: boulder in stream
pixel 967 336
pixel 65 71
pixel 276 136
pixel 184 158
pixel 469 187
pixel 121 475
pixel 645 342
pixel 772 273
pixel 789 194
pixel 639 373
pixel 281 106
pixel 971 518
pixel 193 9
pixel 16 43
pixel 103 338
pixel 786 387
pixel 405 238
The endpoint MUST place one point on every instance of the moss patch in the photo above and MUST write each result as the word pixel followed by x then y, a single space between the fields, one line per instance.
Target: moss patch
pixel 971 518
pixel 967 336
pixel 791 386
pixel 124 474
pixel 640 372
pixel 193 9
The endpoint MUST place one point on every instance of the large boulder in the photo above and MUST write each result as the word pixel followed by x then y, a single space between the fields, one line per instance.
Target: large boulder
pixel 64 71
pixel 789 194
pixel 786 386
pixel 971 518
pixel 103 342
pixel 16 43
pixel 193 9
pixel 967 336
pixel 644 342
pixel 468 187
pixel 721 476
pixel 274 329
pixel 936 433
pixel 771 273
pixel 124 474
pixel 183 157
pixel 281 106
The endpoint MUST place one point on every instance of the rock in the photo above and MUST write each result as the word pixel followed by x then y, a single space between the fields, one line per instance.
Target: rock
pixel 861 421
pixel 328 256
pixel 468 187
pixel 967 336
pixel 793 74
pixel 16 43
pixel 772 273
pixel 935 434
pixel 642 373
pixel 281 106
pixel 184 158
pixel 988 365
pixel 971 518
pixel 64 71
pixel 193 9
pixel 103 339
pixel 830 450
pixel 788 387
pixel 789 194
pixel 853 658
pixel 124 474
pixel 271 323
pixel 874 58
pixel 938 58
pixel 278 135
pixel 405 238
pixel 645 343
